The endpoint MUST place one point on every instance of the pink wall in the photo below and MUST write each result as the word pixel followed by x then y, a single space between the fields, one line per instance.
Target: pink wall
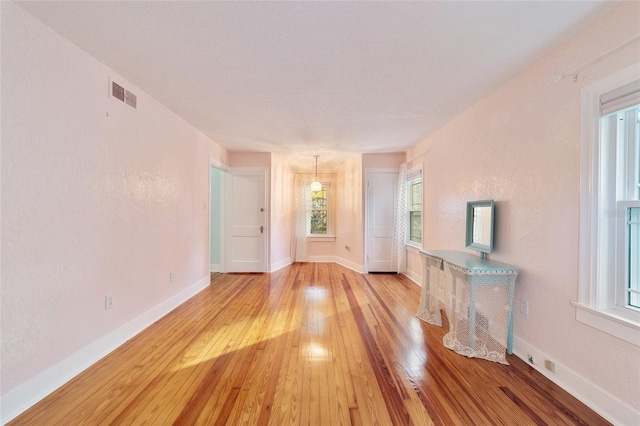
pixel 521 147
pixel 98 199
pixel 281 211
pixel 387 160
pixel 249 159
pixel 350 213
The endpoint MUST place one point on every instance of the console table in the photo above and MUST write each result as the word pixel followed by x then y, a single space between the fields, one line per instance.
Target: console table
pixel 478 300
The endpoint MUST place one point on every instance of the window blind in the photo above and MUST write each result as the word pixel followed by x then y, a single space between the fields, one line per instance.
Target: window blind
pixel 414 174
pixel 620 98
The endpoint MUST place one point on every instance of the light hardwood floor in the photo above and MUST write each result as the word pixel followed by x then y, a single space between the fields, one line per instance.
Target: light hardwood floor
pixel 310 344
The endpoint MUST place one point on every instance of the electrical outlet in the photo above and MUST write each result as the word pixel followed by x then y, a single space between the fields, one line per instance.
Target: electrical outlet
pixel 108 302
pixel 524 307
pixel 549 366
pixel 172 276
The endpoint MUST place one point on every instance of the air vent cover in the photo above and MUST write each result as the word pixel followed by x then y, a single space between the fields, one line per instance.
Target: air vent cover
pixel 117 91
pixel 130 99
pixel 123 95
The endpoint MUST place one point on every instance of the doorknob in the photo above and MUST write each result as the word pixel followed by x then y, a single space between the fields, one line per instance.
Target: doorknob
pixel 261 229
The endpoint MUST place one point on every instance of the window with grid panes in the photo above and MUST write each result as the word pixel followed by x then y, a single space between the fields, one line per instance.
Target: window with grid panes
pixel 319 212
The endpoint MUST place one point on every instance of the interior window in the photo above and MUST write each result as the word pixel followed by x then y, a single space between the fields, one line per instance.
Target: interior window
pixel 414 201
pixel 609 284
pixel 319 212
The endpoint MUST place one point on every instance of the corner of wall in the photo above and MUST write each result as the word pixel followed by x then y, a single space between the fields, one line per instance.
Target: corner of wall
pixel 349 264
pixel 413 276
pixel 281 264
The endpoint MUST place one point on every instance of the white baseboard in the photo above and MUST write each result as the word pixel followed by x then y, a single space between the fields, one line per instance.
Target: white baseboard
pixel 349 264
pixel 322 259
pixel 413 277
pixel 279 265
pixel 339 260
pixel 215 267
pixel 599 400
pixel 26 395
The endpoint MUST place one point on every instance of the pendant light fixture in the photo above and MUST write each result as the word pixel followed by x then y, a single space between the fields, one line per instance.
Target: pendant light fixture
pixel 316 185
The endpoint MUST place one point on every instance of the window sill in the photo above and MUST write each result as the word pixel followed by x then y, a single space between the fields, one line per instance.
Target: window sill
pixel 620 327
pixel 410 244
pixel 321 238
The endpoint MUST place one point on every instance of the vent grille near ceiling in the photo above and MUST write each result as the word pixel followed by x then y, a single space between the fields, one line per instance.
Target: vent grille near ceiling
pixel 123 95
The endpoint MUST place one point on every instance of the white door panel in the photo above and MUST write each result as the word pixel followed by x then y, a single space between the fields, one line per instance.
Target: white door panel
pixel 382 187
pixel 246 207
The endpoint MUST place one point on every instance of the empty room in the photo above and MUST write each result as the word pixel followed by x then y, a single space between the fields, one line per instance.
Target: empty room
pixel 320 212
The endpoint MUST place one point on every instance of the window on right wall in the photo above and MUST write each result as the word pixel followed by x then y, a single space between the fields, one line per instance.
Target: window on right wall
pixel 414 205
pixel 609 287
pixel 620 133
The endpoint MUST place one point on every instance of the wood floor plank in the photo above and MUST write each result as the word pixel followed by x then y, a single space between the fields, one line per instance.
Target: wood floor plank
pixel 311 344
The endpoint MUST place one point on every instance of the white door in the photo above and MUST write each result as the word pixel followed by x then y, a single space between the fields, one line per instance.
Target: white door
pixel 382 186
pixel 245 247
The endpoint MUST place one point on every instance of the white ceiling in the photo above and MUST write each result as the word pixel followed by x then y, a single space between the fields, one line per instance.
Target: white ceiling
pixel 318 77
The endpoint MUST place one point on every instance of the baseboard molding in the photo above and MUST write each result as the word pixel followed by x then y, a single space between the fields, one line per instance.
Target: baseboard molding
pixel 413 277
pixel 339 260
pixel 279 265
pixel 29 393
pixel 349 264
pixel 599 400
pixel 322 259
pixel 215 267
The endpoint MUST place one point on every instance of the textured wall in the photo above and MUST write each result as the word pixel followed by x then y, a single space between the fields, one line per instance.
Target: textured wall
pixel 249 159
pixel 521 147
pixel 97 198
pixel 215 212
pixel 350 212
pixel 281 210
pixel 388 160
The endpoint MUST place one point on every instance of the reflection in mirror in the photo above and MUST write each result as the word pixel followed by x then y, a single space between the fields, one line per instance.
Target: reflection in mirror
pixel 480 218
pixel 482 225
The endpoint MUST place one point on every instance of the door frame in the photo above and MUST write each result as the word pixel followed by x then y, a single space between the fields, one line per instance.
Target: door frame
pixel 223 204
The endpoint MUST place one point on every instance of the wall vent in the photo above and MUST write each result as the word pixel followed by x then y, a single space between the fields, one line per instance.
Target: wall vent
pixel 130 99
pixel 123 95
pixel 117 91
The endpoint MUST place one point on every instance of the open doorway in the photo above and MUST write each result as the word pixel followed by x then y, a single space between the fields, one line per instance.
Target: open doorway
pixel 217 182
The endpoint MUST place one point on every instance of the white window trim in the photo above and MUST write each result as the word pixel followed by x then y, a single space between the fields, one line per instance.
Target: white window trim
pixel 415 170
pixel 591 307
pixel 330 235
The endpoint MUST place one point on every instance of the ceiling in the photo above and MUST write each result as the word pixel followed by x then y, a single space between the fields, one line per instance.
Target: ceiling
pixel 318 77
